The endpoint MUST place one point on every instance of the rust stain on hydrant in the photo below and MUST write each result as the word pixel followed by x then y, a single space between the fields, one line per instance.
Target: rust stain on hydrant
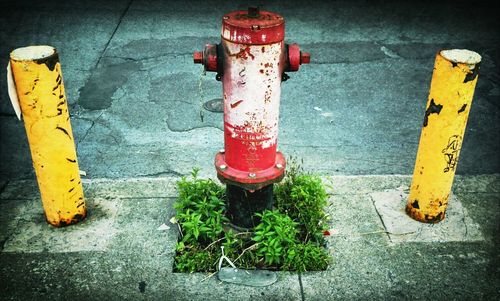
pixel 235 104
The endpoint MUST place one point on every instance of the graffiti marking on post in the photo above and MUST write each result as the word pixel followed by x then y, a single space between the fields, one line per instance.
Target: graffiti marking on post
pixel 451 152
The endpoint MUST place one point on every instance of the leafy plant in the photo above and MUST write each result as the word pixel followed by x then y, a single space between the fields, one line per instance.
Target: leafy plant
pixel 306 257
pixel 200 209
pixel 289 237
pixel 193 192
pixel 195 260
pixel 231 243
pixel 200 215
pixel 275 233
pixel 302 196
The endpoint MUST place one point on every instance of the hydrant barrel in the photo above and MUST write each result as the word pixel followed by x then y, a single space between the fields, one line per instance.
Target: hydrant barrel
pixel 253 65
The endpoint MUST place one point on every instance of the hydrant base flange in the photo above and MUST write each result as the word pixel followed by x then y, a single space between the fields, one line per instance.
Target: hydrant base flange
pixel 252 180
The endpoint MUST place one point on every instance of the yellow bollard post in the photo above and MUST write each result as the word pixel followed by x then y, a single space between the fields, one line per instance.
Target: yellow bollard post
pixel 450 97
pixel 37 75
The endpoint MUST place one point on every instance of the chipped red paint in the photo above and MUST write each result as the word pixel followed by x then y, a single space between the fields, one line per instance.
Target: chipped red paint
pixel 251 126
pixel 244 146
pixel 235 104
pixel 244 53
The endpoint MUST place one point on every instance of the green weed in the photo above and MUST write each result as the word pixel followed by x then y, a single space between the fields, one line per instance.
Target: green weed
pixel 274 235
pixel 304 257
pixel 290 237
pixel 302 197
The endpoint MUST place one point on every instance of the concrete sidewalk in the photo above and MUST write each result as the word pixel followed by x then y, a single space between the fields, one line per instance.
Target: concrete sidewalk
pixel 118 252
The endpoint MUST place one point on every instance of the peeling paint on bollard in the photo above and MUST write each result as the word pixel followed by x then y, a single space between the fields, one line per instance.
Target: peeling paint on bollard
pixel 450 97
pixel 39 84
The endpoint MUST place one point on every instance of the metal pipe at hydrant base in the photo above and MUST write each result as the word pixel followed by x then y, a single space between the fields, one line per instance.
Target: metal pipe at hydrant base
pixel 448 106
pixel 243 203
pixel 251 62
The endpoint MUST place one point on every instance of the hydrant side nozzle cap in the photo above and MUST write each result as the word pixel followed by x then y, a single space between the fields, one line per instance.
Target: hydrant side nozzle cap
pixel 198 57
pixel 305 57
pixel 294 57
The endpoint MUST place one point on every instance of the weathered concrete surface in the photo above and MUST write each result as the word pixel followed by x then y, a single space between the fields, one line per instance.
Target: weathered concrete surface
pixel 117 253
pixel 457 226
pixel 32 234
pixel 121 253
pixel 369 265
pixel 136 100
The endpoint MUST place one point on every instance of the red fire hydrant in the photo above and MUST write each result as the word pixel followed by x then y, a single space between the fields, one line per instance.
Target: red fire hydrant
pixel 251 62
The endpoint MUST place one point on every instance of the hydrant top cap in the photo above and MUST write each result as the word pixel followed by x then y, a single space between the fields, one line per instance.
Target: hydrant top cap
pixel 248 19
pixel 253 27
